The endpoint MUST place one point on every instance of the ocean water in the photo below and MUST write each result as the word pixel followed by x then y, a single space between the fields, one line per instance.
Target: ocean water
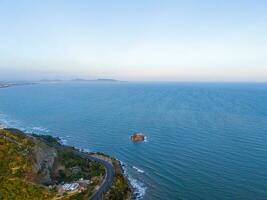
pixel 204 141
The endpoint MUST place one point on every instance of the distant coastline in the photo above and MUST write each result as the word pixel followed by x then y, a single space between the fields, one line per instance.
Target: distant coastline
pixel 96 80
pixel 6 84
pixel 13 84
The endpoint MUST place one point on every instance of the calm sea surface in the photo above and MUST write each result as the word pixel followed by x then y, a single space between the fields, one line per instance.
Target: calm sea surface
pixel 204 141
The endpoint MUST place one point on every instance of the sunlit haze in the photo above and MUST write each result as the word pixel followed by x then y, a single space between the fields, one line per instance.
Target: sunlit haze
pixel 134 40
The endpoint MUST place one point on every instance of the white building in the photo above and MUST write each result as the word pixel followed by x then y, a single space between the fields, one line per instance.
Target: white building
pixel 70 186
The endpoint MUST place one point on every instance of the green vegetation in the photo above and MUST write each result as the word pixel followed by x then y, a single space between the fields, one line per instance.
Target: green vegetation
pixel 49 140
pixel 120 189
pixel 77 167
pixel 27 161
pixel 15 166
pixel 18 155
pixel 17 189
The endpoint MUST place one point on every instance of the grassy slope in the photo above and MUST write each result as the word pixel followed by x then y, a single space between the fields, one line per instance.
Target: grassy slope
pixel 15 164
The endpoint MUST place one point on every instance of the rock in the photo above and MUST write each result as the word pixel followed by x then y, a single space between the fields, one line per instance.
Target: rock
pixel 43 161
pixel 137 137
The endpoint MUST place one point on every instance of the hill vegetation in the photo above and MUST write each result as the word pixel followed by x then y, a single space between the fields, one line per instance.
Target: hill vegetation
pixel 38 166
pixel 16 166
pixel 120 188
pixel 33 167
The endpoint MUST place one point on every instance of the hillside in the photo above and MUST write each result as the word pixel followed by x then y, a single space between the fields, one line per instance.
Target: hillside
pixel 38 167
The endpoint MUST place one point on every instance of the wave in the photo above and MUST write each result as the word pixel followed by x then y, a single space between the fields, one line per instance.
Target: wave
pixel 63 141
pixel 2 126
pixel 138 170
pixel 146 139
pixel 40 129
pixel 138 187
pixel 86 150
pixel 6 122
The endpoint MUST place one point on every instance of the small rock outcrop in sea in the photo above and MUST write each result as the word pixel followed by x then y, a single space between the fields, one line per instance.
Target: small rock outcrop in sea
pixel 137 137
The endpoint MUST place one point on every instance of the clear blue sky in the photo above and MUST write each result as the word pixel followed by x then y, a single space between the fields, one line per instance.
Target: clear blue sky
pixel 194 40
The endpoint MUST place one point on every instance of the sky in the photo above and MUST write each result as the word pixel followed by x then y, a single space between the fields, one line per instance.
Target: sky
pixel 140 40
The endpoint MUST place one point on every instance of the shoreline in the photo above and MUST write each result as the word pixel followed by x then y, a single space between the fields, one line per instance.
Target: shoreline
pixel 2 125
pixel 62 142
pixel 138 189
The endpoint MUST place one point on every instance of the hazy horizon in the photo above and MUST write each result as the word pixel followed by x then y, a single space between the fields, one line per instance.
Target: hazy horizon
pixel 207 41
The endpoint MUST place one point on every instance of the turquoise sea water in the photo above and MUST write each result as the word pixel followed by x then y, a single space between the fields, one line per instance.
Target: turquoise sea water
pixel 204 141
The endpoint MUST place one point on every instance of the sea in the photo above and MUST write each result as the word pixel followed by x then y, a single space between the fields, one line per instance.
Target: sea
pixel 204 141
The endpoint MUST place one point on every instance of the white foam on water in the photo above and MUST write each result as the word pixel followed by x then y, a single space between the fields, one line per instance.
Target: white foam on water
pixel 2 126
pixel 63 141
pixel 84 150
pixel 6 122
pixel 138 170
pixel 138 186
pixel 39 129
pixel 87 150
pixel 146 139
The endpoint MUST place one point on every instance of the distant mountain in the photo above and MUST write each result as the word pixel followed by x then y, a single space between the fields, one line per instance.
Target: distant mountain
pixel 49 80
pixel 79 79
pixel 106 80
pixel 96 80
pixel 12 84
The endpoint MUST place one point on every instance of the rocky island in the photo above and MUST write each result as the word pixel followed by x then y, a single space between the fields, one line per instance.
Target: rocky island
pixel 137 137
pixel 40 167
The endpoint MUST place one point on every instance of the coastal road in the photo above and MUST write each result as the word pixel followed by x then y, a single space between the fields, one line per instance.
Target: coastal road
pixel 107 182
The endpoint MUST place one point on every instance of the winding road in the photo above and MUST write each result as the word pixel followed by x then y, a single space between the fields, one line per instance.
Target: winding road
pixel 107 182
